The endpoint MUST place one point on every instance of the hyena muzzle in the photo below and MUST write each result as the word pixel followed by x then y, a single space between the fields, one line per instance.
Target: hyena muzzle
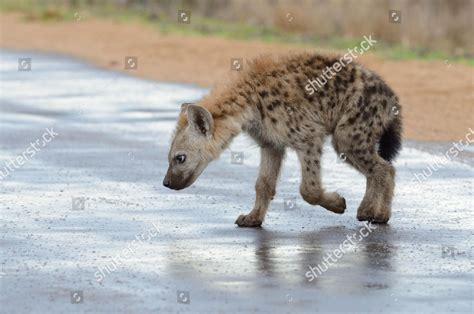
pixel 269 101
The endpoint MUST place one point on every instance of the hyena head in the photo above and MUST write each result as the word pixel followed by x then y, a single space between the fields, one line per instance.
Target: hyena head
pixel 191 148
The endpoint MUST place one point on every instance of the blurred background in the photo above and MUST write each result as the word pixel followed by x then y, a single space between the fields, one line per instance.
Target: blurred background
pixel 428 28
pixel 424 48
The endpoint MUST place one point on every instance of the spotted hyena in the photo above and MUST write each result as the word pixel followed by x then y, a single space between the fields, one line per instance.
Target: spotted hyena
pixel 270 100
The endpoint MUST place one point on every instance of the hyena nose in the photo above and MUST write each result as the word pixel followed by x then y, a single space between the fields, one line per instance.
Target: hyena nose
pixel 166 183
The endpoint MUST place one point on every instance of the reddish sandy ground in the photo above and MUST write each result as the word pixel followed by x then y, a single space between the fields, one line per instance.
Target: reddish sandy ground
pixel 437 97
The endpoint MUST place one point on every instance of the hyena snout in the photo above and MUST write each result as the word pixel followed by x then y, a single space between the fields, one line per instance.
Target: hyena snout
pixel 176 182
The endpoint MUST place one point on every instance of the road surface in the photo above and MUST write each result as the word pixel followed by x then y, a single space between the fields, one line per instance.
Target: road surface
pixel 86 225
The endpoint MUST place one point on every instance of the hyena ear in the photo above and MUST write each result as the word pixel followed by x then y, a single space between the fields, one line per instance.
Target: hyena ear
pixel 184 106
pixel 200 119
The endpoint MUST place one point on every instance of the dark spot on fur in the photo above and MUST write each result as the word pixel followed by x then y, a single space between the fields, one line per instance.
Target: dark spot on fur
pixel 369 91
pixel 366 116
pixel 339 83
pixel 276 103
pixel 351 120
pixel 328 63
pixel 309 62
pixel 300 81
pixel 352 76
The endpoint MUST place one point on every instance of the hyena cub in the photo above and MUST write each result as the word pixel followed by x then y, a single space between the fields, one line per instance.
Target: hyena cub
pixel 268 101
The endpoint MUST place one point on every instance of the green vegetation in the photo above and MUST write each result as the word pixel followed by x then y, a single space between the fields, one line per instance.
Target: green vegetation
pixel 50 11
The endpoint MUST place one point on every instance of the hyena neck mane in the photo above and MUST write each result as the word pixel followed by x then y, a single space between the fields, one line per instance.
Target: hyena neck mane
pixel 231 110
pixel 231 107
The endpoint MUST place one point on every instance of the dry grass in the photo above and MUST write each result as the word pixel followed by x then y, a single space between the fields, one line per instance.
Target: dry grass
pixel 427 25
pixel 445 25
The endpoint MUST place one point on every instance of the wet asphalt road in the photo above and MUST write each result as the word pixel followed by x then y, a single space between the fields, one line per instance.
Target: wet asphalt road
pixel 87 227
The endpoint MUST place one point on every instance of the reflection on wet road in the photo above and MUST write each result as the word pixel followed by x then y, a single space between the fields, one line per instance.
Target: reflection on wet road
pixel 79 206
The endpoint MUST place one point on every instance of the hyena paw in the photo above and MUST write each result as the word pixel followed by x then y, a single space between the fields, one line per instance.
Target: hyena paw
pixel 381 217
pixel 365 213
pixel 249 220
pixel 336 203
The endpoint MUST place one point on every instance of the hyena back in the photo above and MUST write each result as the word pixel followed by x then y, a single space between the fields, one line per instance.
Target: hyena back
pixel 270 100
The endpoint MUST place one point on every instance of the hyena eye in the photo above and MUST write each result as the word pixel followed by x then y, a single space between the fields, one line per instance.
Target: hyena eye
pixel 180 159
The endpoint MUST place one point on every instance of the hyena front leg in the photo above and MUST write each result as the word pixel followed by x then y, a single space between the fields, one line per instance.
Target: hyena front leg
pixel 311 189
pixel 270 165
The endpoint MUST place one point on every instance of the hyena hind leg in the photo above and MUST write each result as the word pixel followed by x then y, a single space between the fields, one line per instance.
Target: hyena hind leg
pixel 380 174
pixel 376 204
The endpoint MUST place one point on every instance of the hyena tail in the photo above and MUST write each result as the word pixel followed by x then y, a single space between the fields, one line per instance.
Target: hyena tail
pixel 391 141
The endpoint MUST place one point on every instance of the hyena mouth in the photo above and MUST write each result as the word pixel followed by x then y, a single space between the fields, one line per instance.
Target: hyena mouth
pixel 170 183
